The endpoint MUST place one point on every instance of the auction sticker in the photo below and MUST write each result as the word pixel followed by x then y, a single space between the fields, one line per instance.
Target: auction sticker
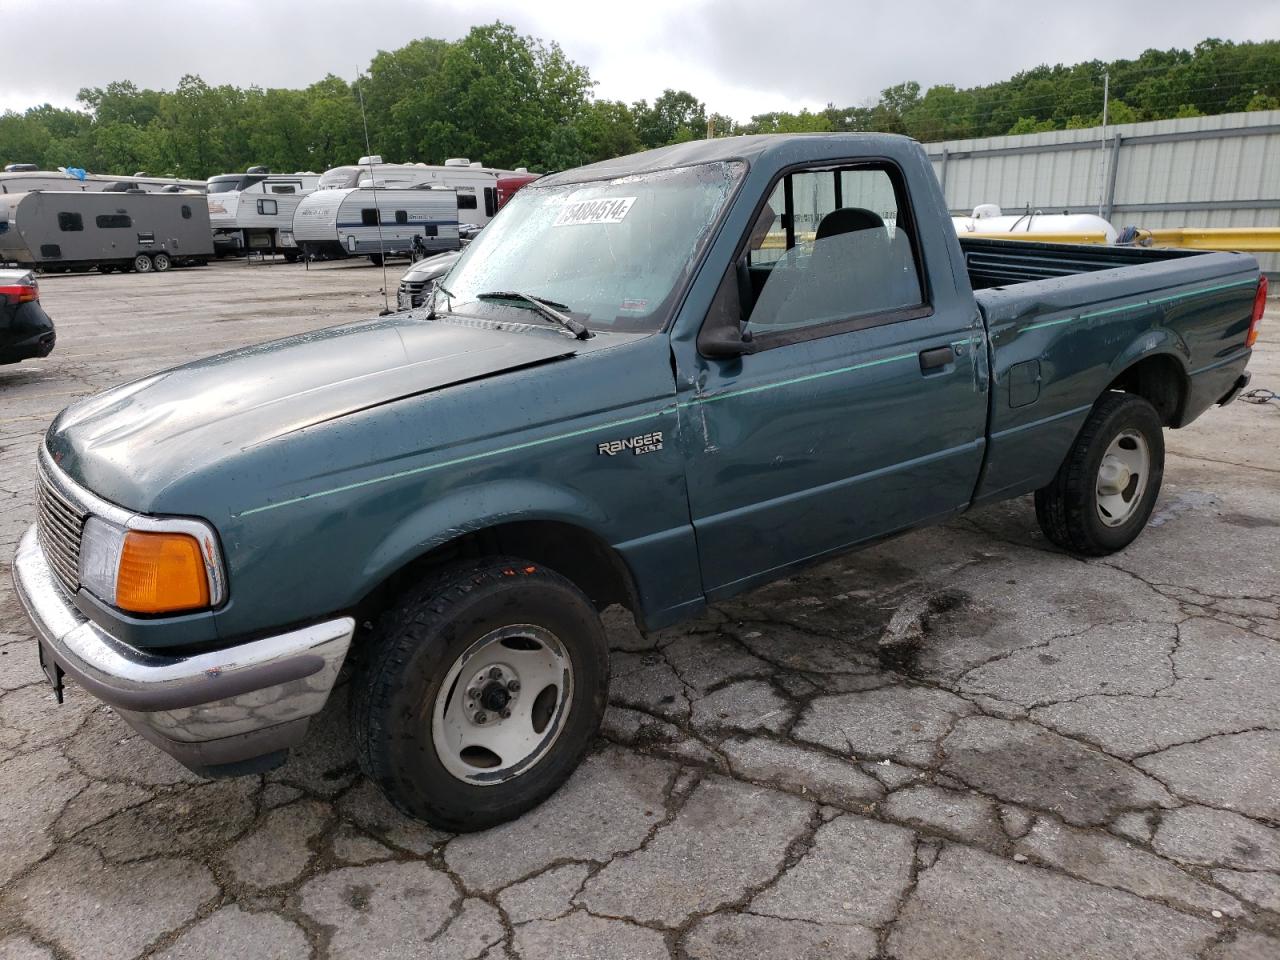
pixel 607 210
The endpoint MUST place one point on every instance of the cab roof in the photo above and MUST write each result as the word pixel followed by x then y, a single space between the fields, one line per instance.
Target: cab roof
pixel 752 148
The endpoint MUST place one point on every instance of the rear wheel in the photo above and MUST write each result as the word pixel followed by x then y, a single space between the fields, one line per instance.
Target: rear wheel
pixel 1104 492
pixel 480 693
pixel 161 262
pixel 375 259
pixel 142 263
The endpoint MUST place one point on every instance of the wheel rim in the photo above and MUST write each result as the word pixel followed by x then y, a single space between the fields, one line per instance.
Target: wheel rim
pixel 487 731
pixel 1122 477
pixel 142 264
pixel 161 262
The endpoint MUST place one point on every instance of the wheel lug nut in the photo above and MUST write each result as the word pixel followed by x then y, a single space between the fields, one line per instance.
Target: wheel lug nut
pixel 481 717
pixel 495 673
pixel 513 686
pixel 506 714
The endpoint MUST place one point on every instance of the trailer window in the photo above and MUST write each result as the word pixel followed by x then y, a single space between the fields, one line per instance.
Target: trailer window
pixel 402 216
pixel 267 208
pixel 114 221
pixel 282 188
pixel 186 212
pixel 467 201
pixel 369 217
pixel 70 222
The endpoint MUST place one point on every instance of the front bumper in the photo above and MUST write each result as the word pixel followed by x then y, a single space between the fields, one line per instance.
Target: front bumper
pixel 230 711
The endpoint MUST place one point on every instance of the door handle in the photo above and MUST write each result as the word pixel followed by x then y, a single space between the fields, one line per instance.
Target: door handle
pixel 935 358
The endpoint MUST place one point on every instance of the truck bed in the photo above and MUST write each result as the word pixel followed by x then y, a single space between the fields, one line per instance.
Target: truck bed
pixel 1066 321
pixel 997 263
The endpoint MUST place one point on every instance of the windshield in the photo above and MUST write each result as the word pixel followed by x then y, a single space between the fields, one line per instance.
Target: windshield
pixel 616 253
pixel 340 177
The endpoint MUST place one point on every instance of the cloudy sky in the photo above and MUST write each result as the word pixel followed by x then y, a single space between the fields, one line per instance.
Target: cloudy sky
pixel 740 56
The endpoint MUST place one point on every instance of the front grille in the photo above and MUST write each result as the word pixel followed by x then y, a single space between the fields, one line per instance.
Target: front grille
pixel 59 524
pixel 412 292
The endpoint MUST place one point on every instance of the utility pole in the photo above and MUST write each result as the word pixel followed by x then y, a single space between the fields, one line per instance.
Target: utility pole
pixel 1102 144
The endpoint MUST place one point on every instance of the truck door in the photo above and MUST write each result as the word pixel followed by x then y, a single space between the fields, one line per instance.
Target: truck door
pixel 862 410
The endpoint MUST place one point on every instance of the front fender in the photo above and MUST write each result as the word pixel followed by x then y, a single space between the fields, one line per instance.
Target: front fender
pixel 477 507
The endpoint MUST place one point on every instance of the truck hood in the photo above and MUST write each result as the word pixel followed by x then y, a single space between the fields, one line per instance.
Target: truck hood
pixel 129 443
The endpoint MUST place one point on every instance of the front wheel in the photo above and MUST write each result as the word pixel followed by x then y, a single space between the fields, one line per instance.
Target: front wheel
pixel 142 263
pixel 1104 492
pixel 161 262
pixel 480 693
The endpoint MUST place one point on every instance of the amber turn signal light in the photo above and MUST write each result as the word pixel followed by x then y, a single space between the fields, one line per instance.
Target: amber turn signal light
pixel 161 573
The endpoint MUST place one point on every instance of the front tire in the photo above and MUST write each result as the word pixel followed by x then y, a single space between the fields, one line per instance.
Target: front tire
pixel 161 262
pixel 480 693
pixel 142 263
pixel 1105 490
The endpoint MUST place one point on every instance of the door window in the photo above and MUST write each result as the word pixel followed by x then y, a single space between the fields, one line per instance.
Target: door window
pixel 833 245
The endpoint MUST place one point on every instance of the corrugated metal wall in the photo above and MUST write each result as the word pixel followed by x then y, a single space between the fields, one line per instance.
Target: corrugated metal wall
pixel 1221 171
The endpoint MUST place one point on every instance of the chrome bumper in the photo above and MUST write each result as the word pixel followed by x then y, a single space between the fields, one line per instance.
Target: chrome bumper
pixel 228 711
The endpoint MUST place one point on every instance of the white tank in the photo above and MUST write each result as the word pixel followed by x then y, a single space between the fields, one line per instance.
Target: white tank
pixel 988 218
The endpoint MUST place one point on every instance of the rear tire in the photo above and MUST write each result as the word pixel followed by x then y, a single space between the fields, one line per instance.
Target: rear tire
pixel 453 742
pixel 375 259
pixel 1105 490
pixel 161 262
pixel 142 263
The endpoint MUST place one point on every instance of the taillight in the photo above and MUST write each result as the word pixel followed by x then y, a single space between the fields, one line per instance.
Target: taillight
pixel 1259 305
pixel 24 292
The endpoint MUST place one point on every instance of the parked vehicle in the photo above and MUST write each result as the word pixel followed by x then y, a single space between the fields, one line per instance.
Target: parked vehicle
pixel 111 231
pixel 26 331
pixel 415 285
pixel 253 211
pixel 620 395
pixel 26 177
pixel 363 222
pixel 481 190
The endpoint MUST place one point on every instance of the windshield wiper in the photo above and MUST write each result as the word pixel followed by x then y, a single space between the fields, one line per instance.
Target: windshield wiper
pixel 545 307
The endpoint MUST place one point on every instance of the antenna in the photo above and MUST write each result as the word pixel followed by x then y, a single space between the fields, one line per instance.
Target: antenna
pixel 373 183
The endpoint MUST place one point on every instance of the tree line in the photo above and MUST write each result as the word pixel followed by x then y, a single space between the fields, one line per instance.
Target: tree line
pixel 512 100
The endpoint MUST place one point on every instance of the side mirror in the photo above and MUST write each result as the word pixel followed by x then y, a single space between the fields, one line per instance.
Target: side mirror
pixel 722 335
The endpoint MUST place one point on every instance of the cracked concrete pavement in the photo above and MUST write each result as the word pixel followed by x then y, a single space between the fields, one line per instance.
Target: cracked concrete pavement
pixel 962 743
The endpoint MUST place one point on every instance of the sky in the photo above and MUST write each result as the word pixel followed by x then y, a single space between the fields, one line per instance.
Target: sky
pixel 741 57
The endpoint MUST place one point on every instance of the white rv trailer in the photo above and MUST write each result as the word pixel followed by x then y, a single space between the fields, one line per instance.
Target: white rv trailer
pixel 363 222
pixel 253 211
pixel 24 178
pixel 477 185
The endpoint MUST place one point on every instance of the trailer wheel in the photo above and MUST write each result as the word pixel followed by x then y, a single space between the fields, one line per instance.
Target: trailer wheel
pixel 1104 492
pixel 375 259
pixel 480 692
pixel 161 262
pixel 142 263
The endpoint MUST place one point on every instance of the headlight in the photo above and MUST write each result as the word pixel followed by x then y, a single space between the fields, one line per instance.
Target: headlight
pixel 151 566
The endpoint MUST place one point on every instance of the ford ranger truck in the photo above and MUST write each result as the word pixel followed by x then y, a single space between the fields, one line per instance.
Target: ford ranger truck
pixel 657 381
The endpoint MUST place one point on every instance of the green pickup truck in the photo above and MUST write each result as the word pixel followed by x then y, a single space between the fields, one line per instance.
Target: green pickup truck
pixel 656 381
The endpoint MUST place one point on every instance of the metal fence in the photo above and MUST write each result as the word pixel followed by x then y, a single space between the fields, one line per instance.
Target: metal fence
pixel 1221 171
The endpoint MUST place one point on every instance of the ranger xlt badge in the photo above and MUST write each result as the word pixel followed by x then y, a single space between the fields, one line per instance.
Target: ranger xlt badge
pixel 645 443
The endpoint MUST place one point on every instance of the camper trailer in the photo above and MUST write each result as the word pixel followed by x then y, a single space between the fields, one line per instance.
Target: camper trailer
pixel 363 222
pixel 253 211
pixel 476 184
pixel 25 177
pixel 66 230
